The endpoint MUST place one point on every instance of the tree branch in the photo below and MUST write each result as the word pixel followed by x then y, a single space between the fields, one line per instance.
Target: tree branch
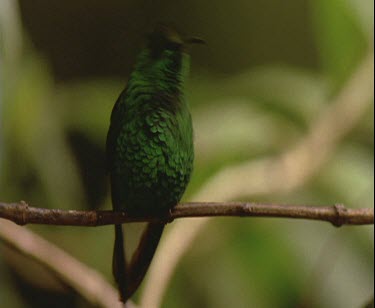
pixel 21 213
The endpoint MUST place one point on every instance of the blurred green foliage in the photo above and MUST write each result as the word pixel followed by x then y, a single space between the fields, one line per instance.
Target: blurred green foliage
pixel 268 71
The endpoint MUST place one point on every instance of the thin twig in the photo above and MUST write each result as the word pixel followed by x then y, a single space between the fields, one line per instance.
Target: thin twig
pixel 338 215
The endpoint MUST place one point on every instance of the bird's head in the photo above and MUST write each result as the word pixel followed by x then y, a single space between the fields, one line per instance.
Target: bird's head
pixel 164 37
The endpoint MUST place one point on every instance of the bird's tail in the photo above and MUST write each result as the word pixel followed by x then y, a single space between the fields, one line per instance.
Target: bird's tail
pixel 143 255
pixel 119 266
pixel 129 277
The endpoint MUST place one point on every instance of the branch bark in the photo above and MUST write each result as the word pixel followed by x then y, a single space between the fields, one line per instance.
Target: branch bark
pixel 21 213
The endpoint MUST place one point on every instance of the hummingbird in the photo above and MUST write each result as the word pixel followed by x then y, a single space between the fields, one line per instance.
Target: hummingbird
pixel 149 147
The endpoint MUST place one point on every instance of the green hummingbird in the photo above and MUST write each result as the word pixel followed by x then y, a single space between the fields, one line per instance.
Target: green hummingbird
pixel 149 147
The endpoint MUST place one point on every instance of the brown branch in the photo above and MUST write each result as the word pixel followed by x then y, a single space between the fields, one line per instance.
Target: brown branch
pixel 21 213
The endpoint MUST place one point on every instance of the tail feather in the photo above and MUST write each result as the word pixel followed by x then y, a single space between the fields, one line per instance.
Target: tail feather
pixel 143 255
pixel 119 266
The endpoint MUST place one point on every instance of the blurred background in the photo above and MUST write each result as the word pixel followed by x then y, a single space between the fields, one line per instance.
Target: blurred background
pixel 282 111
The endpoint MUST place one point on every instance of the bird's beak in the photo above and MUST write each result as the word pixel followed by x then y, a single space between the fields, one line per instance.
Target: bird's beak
pixel 194 40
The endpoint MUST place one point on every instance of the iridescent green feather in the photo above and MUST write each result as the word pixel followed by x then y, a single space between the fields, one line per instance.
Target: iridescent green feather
pixel 150 143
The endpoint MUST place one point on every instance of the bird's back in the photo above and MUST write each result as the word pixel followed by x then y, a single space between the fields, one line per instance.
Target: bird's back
pixel 150 148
